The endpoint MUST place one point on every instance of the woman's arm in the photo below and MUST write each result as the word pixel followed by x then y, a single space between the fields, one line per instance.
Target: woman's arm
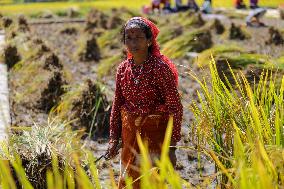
pixel 115 118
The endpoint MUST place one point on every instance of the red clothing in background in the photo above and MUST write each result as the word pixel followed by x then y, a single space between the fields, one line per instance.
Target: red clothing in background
pixel 143 90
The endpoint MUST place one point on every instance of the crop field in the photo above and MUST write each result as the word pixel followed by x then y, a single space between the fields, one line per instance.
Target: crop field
pixel 62 60
pixel 34 8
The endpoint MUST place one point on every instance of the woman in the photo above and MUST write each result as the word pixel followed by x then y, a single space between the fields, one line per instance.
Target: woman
pixel 146 95
pixel 156 5
pixel 192 5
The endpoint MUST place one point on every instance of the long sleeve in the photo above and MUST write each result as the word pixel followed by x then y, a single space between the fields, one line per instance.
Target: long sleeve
pixel 115 118
pixel 167 86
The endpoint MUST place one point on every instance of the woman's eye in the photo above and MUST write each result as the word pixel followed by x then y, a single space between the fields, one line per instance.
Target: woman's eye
pixel 134 38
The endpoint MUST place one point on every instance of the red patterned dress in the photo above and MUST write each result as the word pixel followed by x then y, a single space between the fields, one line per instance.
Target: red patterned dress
pixel 145 96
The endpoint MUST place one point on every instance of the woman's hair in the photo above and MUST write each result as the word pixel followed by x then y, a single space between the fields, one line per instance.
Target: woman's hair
pixel 138 23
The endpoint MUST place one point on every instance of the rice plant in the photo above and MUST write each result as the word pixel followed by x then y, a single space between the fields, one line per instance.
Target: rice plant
pixel 251 115
pixel 74 173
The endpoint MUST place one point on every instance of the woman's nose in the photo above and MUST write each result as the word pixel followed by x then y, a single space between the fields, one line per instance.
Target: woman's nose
pixel 132 42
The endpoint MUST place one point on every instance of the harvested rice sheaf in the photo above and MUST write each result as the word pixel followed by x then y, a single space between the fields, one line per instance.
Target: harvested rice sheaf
pixel 93 110
pixel 47 14
pixel 114 22
pixel 237 32
pixel 195 41
pixel 88 49
pixel 50 95
pixel 41 46
pixel 88 107
pixel 37 80
pixel 23 24
pixel 238 59
pixel 275 37
pixel 169 32
pixel 51 61
pixel 73 12
pixel 96 19
pixel 11 56
pixel 39 147
pixel 69 31
pixel 189 20
pixel 218 26
pixel 6 22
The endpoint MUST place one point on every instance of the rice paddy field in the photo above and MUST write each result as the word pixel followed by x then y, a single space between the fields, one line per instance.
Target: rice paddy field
pixel 62 59
pixel 34 8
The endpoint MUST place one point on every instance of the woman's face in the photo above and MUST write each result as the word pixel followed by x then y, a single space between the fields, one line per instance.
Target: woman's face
pixel 136 41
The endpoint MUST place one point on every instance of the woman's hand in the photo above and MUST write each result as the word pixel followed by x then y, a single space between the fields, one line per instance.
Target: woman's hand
pixel 112 150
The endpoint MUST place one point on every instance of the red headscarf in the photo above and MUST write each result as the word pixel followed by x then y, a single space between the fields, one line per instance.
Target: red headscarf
pixel 155 47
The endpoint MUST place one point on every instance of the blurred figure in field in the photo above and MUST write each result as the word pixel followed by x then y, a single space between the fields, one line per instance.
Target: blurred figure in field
pixel 253 4
pixel 253 19
pixel 146 9
pixel 156 5
pixel 167 6
pixel 180 6
pixel 239 4
pixel 206 7
pixel 192 5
